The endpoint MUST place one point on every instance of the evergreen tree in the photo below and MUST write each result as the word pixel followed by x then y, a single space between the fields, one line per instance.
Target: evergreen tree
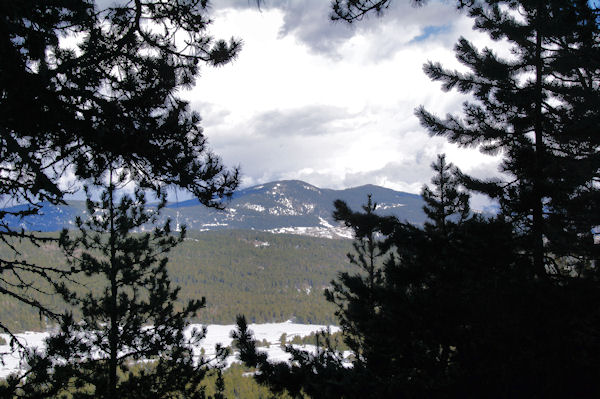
pixel 355 295
pixel 133 319
pixel 402 313
pixel 451 310
pixel 108 100
pixel 446 201
pixel 540 108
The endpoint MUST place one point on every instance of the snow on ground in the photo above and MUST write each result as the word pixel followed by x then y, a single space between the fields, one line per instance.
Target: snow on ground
pixel 271 332
pixel 11 361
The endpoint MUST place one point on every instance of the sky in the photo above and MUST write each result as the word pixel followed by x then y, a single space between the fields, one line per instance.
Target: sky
pixel 331 103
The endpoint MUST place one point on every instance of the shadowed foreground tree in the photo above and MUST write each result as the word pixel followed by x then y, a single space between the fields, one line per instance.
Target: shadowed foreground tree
pixel 504 307
pixel 132 319
pixel 447 310
pixel 84 88
pixel 540 108
pixel 351 11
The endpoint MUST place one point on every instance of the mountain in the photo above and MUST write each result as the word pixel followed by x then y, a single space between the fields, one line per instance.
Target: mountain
pixel 289 206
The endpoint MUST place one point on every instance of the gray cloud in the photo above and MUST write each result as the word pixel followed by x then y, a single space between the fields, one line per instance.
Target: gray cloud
pixel 277 158
pixel 278 144
pixel 308 20
pixel 311 25
pixel 312 120
pixel 211 114
pixel 400 25
pixel 407 173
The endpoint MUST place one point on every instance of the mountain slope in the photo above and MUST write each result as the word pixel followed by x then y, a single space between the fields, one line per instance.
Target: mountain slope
pixel 290 206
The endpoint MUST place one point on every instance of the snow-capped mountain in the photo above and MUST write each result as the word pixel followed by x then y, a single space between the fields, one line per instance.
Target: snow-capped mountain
pixel 289 206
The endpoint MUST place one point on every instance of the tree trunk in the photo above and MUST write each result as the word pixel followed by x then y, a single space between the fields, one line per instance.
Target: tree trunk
pixel 113 336
pixel 538 218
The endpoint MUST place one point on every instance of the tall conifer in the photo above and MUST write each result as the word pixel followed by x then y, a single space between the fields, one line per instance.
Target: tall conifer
pixel 540 109
pixel 108 95
pixel 445 200
pixel 402 313
pixel 130 342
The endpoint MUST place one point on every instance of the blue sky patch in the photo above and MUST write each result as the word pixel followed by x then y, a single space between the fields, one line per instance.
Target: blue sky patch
pixel 430 31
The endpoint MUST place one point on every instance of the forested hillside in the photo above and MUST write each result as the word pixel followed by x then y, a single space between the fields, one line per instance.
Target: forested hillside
pixel 267 277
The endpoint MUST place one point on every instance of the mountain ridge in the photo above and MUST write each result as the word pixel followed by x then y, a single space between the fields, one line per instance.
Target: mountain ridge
pixel 284 206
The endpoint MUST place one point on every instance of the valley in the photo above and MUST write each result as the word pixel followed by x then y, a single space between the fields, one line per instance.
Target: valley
pixel 268 277
pixel 268 255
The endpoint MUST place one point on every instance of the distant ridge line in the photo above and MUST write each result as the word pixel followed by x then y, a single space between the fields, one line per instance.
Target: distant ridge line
pixel 280 206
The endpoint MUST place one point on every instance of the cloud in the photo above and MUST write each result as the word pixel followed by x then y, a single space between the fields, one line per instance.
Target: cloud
pixel 307 20
pixel 329 103
pixel 402 24
pixel 211 114
pixel 312 120
pixel 405 174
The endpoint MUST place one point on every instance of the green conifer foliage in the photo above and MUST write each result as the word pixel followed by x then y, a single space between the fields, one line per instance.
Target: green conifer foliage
pixel 132 319
pixel 539 107
pixel 88 85
pixel 446 201
pixel 453 312
pixel 394 310
pixel 355 294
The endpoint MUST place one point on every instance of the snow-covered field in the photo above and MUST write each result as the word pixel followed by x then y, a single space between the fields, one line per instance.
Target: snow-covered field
pixel 271 332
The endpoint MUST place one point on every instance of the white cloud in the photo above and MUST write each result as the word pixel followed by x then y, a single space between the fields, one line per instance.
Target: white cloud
pixel 331 104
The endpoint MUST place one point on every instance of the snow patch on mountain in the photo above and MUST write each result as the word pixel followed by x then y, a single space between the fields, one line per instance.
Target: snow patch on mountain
pixel 325 223
pixel 286 202
pixel 216 224
pixel 253 207
pixel 291 206
pixel 216 334
pixel 322 232
pixel 311 188
pixel 384 206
